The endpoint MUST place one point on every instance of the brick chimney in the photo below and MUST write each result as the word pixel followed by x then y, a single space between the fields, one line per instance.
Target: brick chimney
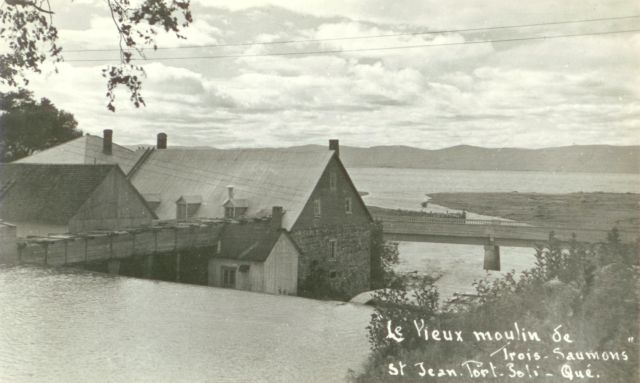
pixel 230 192
pixel 335 146
pixel 162 141
pixel 276 217
pixel 107 141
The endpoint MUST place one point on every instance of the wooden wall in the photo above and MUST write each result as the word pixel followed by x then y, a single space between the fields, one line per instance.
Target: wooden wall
pixel 115 204
pixel 251 280
pixel 281 268
pixel 278 274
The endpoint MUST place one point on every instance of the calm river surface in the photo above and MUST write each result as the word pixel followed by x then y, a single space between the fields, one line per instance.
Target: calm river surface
pixel 406 188
pixel 75 326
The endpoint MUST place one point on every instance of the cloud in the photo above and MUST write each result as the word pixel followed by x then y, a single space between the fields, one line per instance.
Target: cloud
pixel 532 94
pixel 438 14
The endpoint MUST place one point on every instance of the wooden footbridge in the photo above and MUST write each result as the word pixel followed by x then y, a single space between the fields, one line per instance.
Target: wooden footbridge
pixel 489 233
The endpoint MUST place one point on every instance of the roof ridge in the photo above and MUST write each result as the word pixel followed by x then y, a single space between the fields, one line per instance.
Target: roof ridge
pixel 48 149
pixel 112 143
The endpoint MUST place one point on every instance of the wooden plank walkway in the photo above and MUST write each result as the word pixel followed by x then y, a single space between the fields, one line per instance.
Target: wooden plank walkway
pixel 60 250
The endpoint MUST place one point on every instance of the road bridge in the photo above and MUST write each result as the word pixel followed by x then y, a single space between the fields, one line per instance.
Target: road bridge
pixel 489 233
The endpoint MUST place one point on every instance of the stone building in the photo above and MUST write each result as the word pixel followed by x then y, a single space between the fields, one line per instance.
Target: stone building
pixel 323 213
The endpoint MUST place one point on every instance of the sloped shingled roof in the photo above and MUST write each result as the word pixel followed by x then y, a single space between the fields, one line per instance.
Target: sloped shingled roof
pixel 47 193
pixel 251 241
pixel 263 177
pixel 86 150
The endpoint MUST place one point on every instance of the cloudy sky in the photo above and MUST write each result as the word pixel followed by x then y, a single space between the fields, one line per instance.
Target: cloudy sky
pixel 526 93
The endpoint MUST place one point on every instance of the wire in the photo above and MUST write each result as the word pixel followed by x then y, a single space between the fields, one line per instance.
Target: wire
pixel 323 52
pixel 371 36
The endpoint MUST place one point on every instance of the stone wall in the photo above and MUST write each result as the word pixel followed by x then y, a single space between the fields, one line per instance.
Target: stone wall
pixel 347 274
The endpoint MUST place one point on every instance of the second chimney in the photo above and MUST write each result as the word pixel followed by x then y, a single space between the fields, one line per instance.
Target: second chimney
pixel 276 217
pixel 335 146
pixel 107 141
pixel 162 141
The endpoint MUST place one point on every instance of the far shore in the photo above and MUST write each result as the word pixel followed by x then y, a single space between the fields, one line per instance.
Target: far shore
pixel 597 210
pixel 602 211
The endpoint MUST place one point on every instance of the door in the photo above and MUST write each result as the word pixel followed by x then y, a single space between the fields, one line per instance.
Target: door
pixel 229 277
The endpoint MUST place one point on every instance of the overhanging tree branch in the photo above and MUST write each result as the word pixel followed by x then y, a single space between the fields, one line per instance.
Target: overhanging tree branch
pixel 24 24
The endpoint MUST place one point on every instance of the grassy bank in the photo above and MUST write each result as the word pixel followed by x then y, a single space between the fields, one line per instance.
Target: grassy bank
pixel 587 210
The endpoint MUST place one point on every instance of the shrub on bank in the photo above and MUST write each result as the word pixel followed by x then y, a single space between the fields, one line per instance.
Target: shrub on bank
pixel 592 292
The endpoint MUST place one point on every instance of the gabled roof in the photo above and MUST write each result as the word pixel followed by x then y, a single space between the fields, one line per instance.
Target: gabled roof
pixel 263 177
pixel 85 150
pixel 250 241
pixel 236 203
pixel 47 193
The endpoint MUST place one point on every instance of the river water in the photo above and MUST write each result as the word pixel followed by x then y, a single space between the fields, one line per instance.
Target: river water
pixel 75 326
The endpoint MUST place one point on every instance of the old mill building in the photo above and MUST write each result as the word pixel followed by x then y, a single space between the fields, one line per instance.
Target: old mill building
pixel 319 222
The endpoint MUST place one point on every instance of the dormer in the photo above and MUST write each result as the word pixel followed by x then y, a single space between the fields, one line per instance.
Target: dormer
pixel 187 206
pixel 234 207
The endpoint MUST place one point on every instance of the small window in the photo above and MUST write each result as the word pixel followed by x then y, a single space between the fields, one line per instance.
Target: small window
pixel 317 207
pixel 333 181
pixel 333 274
pixel 229 277
pixel 347 205
pixel 333 248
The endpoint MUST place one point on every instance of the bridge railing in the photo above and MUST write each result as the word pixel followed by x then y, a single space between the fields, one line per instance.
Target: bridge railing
pixel 453 221
pixel 416 225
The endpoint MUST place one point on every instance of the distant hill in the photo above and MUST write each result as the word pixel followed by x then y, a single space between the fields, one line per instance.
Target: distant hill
pixel 577 158
pixel 587 158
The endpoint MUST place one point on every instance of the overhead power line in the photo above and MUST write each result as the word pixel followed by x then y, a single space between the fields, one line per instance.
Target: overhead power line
pixel 337 51
pixel 477 29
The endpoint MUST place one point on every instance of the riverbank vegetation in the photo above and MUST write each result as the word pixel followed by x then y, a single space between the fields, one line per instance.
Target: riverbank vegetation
pixel 581 302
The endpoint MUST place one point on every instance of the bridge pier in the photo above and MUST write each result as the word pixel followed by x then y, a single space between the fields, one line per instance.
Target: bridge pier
pixel 178 267
pixel 113 266
pixel 147 267
pixel 492 257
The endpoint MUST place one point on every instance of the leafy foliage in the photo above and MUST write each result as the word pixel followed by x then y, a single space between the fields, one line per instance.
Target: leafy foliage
pixel 591 290
pixel 27 126
pixel 405 299
pixel 32 39
pixel 384 255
